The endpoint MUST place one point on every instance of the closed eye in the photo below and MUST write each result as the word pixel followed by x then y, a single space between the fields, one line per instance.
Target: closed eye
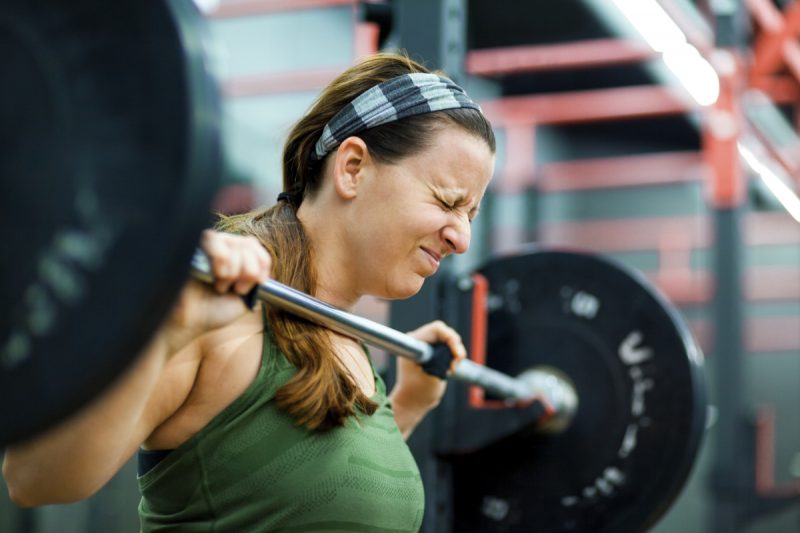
pixel 452 206
pixel 447 205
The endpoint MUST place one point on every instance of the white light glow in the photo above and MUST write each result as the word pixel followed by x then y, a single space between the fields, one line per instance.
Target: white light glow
pixel 207 6
pixel 694 72
pixel 655 25
pixel 778 187
pixel 683 60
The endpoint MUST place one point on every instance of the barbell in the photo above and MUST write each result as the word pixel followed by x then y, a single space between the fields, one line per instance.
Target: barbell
pixel 111 157
pixel 556 394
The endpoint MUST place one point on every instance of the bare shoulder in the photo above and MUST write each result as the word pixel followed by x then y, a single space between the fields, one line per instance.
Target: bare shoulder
pixel 202 380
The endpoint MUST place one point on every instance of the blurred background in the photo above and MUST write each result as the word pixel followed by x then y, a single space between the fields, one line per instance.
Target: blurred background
pixel 661 133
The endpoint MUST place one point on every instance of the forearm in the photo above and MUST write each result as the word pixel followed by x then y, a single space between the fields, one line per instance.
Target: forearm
pixel 76 458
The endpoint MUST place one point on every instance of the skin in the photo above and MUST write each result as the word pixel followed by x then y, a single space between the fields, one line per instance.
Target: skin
pixel 415 197
pixel 430 200
pixel 391 224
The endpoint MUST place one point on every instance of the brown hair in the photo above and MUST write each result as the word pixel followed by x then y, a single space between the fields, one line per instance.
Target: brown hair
pixel 322 394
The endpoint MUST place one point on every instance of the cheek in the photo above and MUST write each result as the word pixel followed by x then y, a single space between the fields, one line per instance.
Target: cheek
pixel 392 232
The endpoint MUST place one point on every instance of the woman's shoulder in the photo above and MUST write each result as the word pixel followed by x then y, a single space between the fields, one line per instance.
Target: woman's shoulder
pixel 199 384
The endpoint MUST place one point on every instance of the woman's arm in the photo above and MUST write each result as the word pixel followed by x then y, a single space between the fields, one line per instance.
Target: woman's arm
pixel 416 393
pixel 76 458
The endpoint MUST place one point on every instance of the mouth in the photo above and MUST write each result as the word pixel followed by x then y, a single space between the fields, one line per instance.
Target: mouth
pixel 433 257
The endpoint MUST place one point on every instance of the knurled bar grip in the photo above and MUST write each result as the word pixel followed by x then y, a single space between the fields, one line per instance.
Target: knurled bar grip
pixel 435 358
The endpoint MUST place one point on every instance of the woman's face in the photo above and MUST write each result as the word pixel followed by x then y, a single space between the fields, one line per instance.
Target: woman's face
pixel 412 214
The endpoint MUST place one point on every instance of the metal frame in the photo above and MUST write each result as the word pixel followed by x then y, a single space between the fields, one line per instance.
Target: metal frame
pixel 244 8
pixel 365 42
pixel 582 54
pixel 776 47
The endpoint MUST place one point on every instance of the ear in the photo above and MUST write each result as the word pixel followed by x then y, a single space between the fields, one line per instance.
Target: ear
pixel 350 166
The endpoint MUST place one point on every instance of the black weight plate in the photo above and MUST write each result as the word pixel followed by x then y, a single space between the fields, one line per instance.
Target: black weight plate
pixel 110 158
pixel 639 379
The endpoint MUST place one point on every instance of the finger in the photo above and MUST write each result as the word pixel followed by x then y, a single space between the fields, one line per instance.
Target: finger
pixel 264 263
pixel 226 268
pixel 452 338
pixel 223 262
pixel 249 274
pixel 263 260
pixel 219 252
pixel 430 332
pixel 458 350
pixel 213 243
pixel 222 286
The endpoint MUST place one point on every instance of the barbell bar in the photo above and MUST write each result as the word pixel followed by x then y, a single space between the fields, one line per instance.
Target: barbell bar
pixel 552 390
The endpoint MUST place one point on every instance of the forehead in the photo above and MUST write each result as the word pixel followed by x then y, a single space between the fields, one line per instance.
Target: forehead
pixel 456 159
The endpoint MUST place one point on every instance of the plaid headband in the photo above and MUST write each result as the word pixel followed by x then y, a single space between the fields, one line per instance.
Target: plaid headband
pixel 400 97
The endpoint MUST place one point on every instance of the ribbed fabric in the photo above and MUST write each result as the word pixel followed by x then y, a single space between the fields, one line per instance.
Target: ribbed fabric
pixel 252 469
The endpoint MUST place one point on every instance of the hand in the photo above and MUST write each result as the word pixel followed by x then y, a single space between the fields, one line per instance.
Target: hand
pixel 416 389
pixel 238 264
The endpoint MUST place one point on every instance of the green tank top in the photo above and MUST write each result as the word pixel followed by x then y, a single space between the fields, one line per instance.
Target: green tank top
pixel 252 469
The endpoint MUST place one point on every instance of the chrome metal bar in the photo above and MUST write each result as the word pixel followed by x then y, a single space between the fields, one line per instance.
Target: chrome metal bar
pixel 310 308
pixel 494 381
pixel 391 340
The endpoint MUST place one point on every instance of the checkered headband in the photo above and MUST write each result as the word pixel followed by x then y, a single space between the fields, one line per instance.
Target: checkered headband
pixel 400 97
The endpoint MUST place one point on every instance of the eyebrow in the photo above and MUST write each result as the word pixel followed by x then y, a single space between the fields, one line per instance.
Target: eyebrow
pixel 459 199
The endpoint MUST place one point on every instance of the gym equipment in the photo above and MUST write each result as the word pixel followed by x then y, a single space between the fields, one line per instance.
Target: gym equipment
pixel 111 157
pixel 623 457
pixel 540 385
pixel 110 123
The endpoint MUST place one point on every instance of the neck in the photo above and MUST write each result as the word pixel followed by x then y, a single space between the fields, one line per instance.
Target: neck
pixel 335 280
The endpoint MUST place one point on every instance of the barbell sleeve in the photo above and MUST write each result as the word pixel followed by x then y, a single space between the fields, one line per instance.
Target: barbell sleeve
pixel 305 306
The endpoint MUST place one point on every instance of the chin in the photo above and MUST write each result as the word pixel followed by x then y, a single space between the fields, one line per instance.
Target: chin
pixel 406 290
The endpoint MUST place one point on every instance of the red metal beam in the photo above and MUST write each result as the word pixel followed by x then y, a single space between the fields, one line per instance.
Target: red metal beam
pixel 765 459
pixel 722 128
pixel 780 89
pixel 791 18
pixel 791 57
pixel 367 35
pixel 776 44
pixel 534 58
pixel 772 283
pixel 518 171
pixel 621 235
pixel 762 334
pixel 772 334
pixel 586 106
pixel 787 156
pixel 246 8
pixel 280 82
pixel 628 171
pixel 761 284
pixel 766 15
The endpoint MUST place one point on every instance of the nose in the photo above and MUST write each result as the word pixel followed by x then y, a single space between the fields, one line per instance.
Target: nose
pixel 457 235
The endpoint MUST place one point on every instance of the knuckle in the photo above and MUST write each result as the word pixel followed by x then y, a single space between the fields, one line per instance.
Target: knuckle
pixel 219 265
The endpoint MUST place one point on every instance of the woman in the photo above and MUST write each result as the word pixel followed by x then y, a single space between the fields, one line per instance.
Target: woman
pixel 259 421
